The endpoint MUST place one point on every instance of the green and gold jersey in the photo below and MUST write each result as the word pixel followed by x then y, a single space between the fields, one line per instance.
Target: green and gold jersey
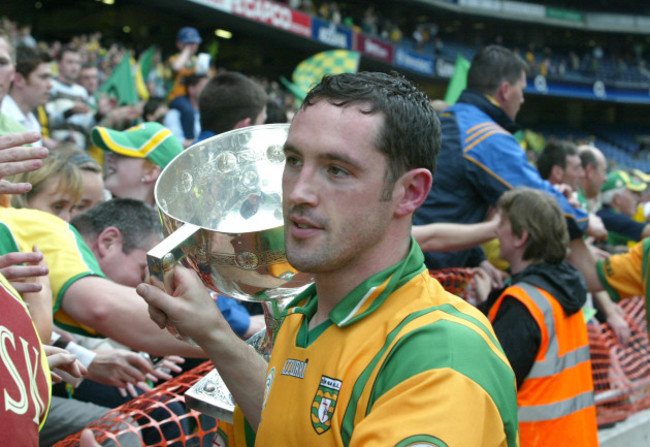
pixel 68 257
pixel 400 362
pixel 625 275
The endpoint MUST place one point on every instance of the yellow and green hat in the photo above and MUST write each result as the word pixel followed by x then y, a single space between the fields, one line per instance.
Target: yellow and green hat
pixel 644 177
pixel 152 141
pixel 621 179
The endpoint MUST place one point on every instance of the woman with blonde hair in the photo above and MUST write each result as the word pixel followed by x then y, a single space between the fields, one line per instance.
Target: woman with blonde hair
pixel 56 188
pixel 92 176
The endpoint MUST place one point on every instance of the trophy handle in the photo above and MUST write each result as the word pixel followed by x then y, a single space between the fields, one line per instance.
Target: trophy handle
pixel 172 249
pixel 162 258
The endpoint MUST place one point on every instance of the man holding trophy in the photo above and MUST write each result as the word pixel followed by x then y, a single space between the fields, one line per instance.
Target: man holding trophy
pixel 375 352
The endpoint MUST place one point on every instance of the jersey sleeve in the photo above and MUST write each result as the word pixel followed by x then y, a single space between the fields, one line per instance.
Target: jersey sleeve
pixel 68 257
pixel 453 421
pixel 622 274
pixel 466 375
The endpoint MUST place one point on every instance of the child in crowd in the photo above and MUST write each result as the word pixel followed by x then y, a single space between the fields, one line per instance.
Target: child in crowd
pixel 56 188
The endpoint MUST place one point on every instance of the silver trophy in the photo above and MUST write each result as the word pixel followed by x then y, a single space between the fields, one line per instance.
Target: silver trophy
pixel 220 202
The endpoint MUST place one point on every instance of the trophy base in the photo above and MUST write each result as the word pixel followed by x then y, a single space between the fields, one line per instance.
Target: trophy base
pixel 211 396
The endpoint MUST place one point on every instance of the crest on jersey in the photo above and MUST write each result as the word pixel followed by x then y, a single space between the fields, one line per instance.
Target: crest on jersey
pixel 324 404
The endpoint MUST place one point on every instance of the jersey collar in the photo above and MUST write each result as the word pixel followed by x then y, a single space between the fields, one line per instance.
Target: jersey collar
pixel 368 295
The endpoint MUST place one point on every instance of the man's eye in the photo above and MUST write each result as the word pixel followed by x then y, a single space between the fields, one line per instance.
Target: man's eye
pixel 292 160
pixel 337 171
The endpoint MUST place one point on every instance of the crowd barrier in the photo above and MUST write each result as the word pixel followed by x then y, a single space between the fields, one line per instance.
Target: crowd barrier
pixel 621 381
pixel 158 417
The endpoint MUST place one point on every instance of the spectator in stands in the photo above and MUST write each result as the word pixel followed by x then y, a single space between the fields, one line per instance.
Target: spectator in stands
pixel 69 102
pixel 155 110
pixel 134 158
pixel 56 188
pixel 119 233
pixel 183 117
pixel 625 275
pixel 89 79
pixel 92 176
pixel 7 70
pixel 30 88
pixel 30 380
pixel 106 109
pixel 230 101
pixel 595 168
pixel 643 211
pixel 538 320
pixel 480 159
pixel 184 63
pixel 560 164
pixel 275 113
pixel 621 195
pixel 85 301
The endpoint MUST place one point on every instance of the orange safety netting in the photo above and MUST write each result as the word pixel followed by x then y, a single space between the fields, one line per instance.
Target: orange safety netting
pixel 159 416
pixel 621 372
pixel 457 280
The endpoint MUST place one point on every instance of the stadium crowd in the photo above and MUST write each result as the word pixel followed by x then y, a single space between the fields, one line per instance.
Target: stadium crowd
pixel 546 243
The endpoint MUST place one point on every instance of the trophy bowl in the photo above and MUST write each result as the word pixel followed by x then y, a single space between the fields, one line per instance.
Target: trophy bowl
pixel 220 203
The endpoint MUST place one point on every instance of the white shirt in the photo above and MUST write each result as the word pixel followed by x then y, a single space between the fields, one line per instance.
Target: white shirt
pixel 62 98
pixel 29 121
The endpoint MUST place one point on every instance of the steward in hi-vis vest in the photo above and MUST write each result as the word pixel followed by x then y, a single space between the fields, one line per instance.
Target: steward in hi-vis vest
pixel 555 400
pixel 538 320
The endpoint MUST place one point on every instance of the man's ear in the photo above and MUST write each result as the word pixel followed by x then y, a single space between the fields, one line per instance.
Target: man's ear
pixel 557 173
pixel 503 92
pixel 410 191
pixel 109 240
pixel 151 173
pixel 19 80
pixel 242 123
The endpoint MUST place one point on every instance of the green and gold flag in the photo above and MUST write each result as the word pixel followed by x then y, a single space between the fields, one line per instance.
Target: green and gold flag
pixel 120 83
pixel 142 69
pixel 458 81
pixel 310 71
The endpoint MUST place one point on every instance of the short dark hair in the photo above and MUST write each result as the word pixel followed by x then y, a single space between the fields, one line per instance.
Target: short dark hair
pixel 539 214
pixel 275 113
pixel 137 221
pixel 66 49
pixel 28 59
pixel 554 154
pixel 228 98
pixel 410 136
pixel 151 106
pixel 5 36
pixel 588 157
pixel 491 66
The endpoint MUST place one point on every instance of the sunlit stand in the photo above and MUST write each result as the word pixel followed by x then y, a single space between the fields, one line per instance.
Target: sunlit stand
pixel 220 202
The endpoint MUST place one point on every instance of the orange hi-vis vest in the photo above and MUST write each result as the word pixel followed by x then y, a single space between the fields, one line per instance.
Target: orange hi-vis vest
pixel 556 400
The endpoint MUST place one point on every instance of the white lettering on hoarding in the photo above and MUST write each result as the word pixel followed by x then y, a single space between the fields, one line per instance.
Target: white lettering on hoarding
pixel 264 11
pixel 444 69
pixel 414 63
pixel 374 49
pixel 329 35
